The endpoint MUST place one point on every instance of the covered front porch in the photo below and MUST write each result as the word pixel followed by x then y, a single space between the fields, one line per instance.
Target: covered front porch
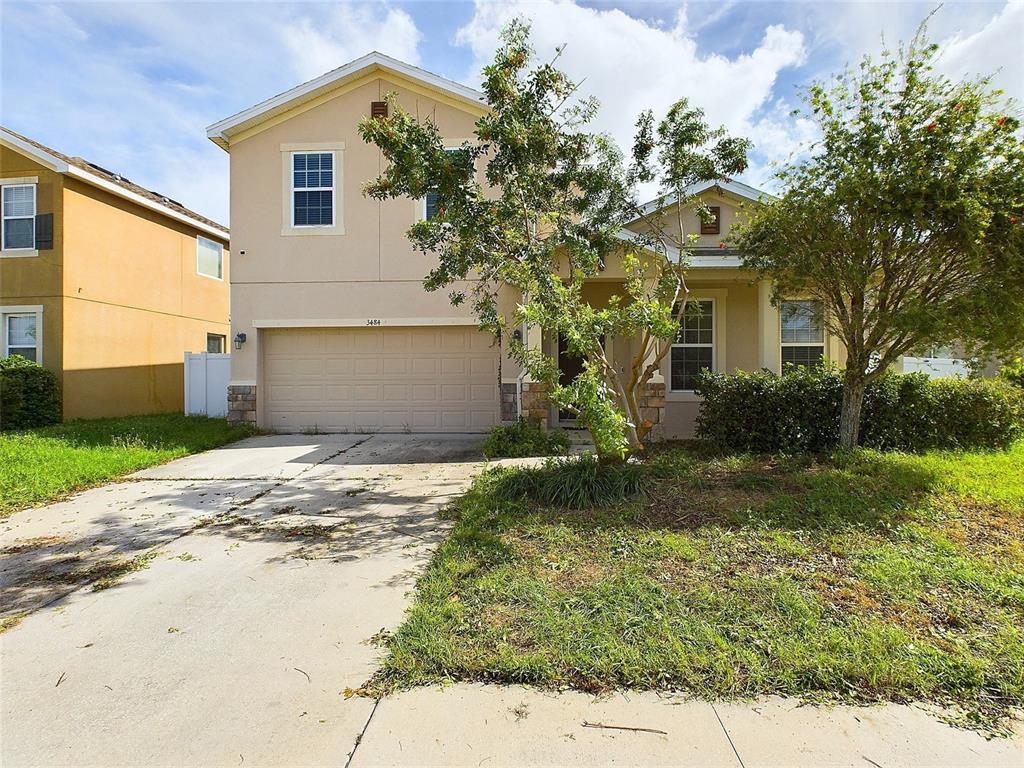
pixel 730 325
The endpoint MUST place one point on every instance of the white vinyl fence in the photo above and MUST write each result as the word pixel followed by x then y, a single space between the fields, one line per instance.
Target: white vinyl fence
pixel 206 383
pixel 936 367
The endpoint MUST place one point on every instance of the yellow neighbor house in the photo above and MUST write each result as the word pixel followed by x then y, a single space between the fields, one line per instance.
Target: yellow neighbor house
pixel 104 282
pixel 328 292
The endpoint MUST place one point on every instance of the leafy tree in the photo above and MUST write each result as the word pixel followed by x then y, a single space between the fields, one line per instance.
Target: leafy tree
pixel 550 217
pixel 904 220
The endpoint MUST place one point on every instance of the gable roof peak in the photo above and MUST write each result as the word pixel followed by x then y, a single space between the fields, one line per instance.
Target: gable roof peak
pixel 220 132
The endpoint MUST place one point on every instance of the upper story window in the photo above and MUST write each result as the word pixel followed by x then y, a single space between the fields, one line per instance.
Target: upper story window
pixel 430 200
pixel 714 225
pixel 19 217
pixel 21 334
pixel 803 333
pixel 313 189
pixel 694 347
pixel 209 258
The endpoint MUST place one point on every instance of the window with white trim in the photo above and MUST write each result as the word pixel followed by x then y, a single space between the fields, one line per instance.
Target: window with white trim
pixel 209 257
pixel 694 347
pixel 216 343
pixel 803 333
pixel 21 335
pixel 430 200
pixel 313 189
pixel 19 217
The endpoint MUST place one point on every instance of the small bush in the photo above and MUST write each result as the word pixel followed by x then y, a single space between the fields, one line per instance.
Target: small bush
pixel 577 483
pixel 1013 372
pixel 525 438
pixel 799 412
pixel 29 395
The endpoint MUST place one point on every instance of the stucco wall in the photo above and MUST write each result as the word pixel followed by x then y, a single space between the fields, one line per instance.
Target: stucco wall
pixel 363 270
pixel 731 210
pixel 36 280
pixel 134 304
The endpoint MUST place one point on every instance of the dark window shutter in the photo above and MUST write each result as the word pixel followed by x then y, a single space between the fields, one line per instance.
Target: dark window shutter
pixel 44 231
pixel 713 227
pixel 431 205
pixel 378 109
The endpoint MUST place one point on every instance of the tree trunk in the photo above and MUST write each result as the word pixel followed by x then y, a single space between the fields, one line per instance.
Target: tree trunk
pixel 849 419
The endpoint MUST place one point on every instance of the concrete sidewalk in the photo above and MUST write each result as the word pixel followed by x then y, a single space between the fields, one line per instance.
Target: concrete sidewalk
pixel 474 725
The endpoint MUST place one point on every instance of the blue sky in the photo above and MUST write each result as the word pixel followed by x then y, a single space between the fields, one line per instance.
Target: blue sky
pixel 133 86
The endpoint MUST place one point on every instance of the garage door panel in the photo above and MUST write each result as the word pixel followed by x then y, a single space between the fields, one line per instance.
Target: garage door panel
pixel 366 393
pixel 424 366
pixel 366 366
pixel 391 379
pixel 425 421
pixel 395 366
pixel 395 393
pixel 335 393
pixel 338 366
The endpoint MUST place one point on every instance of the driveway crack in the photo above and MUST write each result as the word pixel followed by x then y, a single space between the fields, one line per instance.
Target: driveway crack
pixel 362 733
pixel 727 736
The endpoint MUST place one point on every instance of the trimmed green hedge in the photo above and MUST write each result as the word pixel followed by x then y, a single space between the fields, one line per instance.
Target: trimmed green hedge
pixel 799 412
pixel 29 394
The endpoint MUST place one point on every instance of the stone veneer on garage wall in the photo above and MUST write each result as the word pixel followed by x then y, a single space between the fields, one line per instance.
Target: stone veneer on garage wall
pixel 242 404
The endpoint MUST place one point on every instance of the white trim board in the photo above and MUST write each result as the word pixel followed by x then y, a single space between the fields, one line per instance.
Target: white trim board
pixel 364 322
pixel 56 164
pixel 219 132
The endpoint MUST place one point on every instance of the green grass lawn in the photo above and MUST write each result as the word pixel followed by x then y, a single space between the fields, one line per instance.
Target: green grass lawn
pixel 867 577
pixel 44 464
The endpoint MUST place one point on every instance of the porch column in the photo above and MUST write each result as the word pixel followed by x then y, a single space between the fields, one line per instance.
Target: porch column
pixel 534 341
pixel 769 341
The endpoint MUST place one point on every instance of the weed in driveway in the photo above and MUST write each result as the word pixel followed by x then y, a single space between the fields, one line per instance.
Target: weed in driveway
pixel 10 622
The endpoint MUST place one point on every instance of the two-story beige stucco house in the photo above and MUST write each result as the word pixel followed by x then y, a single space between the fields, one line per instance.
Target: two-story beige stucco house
pixel 327 293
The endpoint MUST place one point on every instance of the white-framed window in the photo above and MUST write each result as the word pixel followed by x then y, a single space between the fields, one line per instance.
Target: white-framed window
pixel 19 217
pixel 803 333
pixel 429 202
pixel 216 343
pixel 694 347
pixel 313 189
pixel 209 258
pixel 22 329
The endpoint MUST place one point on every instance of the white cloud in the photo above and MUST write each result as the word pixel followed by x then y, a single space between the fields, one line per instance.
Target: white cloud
pixel 995 50
pixel 135 85
pixel 630 65
pixel 348 32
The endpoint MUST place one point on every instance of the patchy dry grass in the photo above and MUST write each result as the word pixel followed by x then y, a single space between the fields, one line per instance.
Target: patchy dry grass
pixel 865 577
pixel 41 465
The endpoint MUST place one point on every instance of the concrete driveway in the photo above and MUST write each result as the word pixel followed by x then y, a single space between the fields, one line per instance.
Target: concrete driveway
pixel 277 559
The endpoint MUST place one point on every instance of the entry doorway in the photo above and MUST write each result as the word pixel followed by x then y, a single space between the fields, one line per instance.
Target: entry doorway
pixel 569 367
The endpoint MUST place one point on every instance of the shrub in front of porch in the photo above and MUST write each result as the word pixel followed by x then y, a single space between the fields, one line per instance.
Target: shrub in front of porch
pixel 525 438
pixel 799 411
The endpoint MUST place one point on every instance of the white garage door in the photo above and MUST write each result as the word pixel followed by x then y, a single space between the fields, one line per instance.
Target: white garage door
pixel 430 379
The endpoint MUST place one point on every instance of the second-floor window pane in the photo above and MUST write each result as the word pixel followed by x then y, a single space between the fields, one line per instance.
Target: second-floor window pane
pixel 19 216
pixel 313 189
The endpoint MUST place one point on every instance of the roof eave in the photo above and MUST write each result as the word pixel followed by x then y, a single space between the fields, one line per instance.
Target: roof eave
pixel 57 165
pixel 220 132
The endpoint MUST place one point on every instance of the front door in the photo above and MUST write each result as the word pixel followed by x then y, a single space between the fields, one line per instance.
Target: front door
pixel 569 367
